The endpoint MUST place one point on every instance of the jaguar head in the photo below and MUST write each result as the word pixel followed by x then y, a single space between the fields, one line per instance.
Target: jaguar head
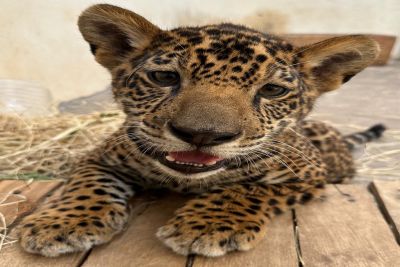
pixel 199 99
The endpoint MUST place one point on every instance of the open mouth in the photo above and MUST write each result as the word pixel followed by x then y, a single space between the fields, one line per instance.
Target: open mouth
pixel 190 162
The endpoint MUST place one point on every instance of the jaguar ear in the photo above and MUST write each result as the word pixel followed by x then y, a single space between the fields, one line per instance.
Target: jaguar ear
pixel 112 32
pixel 334 61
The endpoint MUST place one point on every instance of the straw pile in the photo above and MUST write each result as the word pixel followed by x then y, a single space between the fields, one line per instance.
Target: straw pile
pixel 45 148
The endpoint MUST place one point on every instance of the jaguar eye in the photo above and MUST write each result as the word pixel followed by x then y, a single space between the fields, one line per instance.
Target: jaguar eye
pixel 272 91
pixel 164 78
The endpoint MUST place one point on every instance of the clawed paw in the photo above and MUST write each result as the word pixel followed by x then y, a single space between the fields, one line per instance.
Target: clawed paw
pixel 51 234
pixel 194 235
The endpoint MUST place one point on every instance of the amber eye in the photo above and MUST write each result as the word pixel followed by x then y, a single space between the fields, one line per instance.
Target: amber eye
pixel 164 78
pixel 272 91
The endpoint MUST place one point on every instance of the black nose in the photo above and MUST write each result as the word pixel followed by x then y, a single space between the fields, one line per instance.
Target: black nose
pixel 202 138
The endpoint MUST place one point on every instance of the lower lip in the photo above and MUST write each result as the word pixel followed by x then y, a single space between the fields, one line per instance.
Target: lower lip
pixel 190 169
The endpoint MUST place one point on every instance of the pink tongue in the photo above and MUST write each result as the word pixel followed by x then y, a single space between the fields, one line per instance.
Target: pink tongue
pixel 194 157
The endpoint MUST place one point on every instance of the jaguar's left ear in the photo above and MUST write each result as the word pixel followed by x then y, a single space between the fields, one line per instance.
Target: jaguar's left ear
pixel 334 61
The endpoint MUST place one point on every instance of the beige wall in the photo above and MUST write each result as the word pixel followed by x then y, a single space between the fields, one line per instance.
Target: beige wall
pixel 39 39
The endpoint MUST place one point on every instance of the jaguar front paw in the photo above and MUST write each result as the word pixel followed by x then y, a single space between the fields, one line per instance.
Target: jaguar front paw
pixel 52 233
pixel 213 235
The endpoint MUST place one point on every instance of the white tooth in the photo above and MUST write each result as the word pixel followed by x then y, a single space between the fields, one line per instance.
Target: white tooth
pixel 188 163
pixel 169 158
pixel 211 163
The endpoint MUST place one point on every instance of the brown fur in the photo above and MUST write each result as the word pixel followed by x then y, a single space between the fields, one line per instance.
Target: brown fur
pixel 277 159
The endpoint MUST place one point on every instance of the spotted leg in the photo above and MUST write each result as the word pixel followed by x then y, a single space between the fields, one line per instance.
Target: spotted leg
pixel 91 210
pixel 232 218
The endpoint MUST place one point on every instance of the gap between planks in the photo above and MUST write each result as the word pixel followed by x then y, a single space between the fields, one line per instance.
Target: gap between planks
pixel 347 229
pixel 387 196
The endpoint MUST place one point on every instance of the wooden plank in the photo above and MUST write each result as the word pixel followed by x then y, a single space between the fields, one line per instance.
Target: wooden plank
pixel 277 249
pixel 13 255
pixel 346 229
pixel 387 194
pixel 21 197
pixel 138 245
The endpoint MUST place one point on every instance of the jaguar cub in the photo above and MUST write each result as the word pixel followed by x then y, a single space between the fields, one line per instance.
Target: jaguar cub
pixel 218 111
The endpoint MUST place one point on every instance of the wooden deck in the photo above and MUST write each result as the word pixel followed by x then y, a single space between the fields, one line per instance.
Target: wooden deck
pixel 354 225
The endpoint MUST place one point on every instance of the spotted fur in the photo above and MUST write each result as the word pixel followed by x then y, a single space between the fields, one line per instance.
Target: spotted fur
pixel 273 157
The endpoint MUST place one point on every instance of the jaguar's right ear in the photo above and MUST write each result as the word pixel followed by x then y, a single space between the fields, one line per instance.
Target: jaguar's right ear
pixel 112 32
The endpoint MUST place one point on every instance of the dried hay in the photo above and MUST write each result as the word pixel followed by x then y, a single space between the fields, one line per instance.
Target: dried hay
pixel 45 148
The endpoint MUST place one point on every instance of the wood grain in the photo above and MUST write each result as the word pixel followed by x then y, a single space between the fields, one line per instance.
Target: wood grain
pixel 387 194
pixel 13 255
pixel 138 245
pixel 346 229
pixel 277 249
